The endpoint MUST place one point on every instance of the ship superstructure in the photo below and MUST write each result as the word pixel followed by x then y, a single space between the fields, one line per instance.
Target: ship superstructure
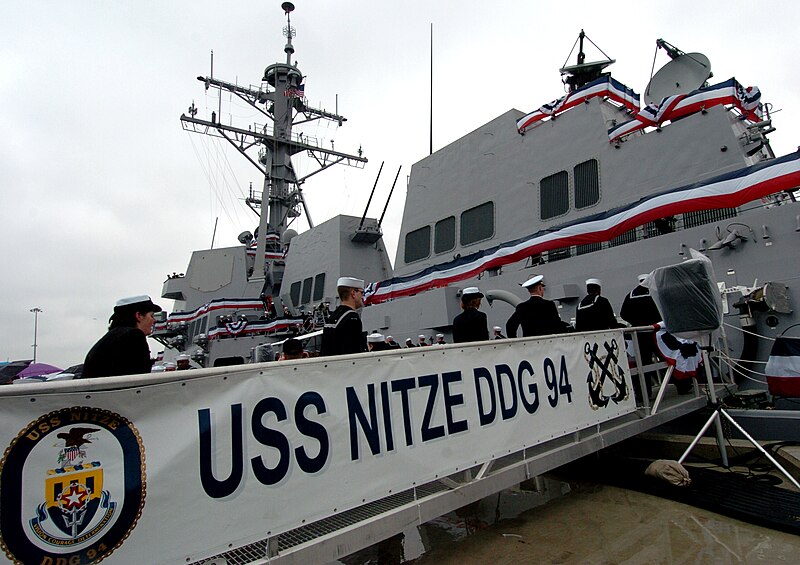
pixel 596 184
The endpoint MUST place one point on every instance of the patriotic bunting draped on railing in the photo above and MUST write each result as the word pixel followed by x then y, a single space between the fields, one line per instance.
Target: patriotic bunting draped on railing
pixel 725 191
pixel 680 105
pixel 605 86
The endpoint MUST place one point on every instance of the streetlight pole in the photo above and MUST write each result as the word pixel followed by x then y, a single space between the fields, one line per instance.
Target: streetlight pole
pixel 35 329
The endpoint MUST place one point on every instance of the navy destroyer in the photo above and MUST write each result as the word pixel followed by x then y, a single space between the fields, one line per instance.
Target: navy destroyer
pixel 594 184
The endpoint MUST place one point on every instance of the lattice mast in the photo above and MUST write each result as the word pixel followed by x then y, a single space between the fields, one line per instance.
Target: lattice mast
pixel 281 99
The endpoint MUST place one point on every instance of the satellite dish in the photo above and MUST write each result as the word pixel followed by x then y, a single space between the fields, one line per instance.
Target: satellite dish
pixel 685 73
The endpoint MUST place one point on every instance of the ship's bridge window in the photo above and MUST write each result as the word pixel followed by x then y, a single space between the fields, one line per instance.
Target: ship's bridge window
pixel 319 286
pixel 418 244
pixel 444 235
pixel 294 293
pixel 477 223
pixel 554 195
pixel 587 184
pixel 307 290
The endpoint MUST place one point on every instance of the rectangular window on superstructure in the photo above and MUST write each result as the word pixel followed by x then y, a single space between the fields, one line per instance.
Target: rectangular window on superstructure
pixel 319 286
pixel 294 293
pixel 554 195
pixel 418 244
pixel 444 235
pixel 477 223
pixel 587 184
pixel 307 290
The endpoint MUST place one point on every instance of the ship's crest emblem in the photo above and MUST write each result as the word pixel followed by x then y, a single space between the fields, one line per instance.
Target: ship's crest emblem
pixel 73 487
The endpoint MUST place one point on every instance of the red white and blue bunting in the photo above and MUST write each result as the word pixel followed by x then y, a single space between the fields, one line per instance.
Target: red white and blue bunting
pixel 746 100
pixel 605 87
pixel 724 191
pixel 783 367
pixel 235 304
pixel 241 328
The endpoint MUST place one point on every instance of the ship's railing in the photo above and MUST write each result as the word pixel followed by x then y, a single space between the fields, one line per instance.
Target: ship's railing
pixel 306 461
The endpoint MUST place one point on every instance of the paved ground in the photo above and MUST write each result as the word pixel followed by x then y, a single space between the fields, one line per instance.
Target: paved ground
pixel 597 524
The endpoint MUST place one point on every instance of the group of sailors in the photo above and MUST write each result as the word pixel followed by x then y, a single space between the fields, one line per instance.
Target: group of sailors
pixel 536 316
pixel 123 350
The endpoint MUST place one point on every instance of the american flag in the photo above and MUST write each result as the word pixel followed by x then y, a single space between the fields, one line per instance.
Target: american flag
pixel 299 92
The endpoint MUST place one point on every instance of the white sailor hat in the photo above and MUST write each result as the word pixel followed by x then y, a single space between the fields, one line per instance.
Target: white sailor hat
pixel 593 281
pixel 643 278
pixel 439 336
pixel 420 336
pixel 375 338
pixel 141 303
pixel 350 282
pixel 497 328
pixel 389 338
pixel 472 291
pixel 408 340
pixel 536 279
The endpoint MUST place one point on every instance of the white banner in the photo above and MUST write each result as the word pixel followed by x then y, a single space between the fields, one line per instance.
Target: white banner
pixel 169 471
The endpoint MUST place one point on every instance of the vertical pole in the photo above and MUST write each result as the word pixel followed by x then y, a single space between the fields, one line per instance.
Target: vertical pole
pixel 35 329
pixel 214 234
pixel 431 124
pixel 712 395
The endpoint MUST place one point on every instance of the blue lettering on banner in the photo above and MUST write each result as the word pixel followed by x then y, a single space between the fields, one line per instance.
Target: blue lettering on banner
pixel 501 393
pixel 363 418
pixel 266 471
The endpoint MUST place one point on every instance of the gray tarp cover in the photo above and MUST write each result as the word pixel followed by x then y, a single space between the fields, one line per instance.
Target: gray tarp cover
pixel 687 296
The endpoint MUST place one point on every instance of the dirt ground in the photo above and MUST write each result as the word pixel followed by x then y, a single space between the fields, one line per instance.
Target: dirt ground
pixel 604 525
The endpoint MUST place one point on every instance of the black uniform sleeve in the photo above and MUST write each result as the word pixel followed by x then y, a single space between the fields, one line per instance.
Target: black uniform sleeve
pixel 513 323
pixel 483 329
pixel 607 313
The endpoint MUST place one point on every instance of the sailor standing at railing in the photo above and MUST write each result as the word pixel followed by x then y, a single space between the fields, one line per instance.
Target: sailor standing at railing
pixel 537 315
pixel 124 350
pixel 594 311
pixel 471 324
pixel 639 309
pixel 343 332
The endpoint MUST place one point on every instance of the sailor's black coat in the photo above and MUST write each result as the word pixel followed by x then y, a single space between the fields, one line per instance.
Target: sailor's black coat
pixel 537 316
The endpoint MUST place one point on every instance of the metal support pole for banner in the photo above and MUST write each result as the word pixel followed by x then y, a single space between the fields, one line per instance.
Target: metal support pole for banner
pixel 663 389
pixel 637 354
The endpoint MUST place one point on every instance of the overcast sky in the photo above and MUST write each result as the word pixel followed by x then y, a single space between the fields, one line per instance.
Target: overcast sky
pixel 103 194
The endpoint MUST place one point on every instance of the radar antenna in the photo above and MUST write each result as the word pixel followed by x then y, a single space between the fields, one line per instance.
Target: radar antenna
pixel 583 73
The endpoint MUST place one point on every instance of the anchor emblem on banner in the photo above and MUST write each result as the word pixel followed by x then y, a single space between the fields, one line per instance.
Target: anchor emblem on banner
pixel 604 368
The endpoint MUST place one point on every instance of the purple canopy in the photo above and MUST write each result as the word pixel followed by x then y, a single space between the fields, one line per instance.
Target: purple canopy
pixel 37 370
